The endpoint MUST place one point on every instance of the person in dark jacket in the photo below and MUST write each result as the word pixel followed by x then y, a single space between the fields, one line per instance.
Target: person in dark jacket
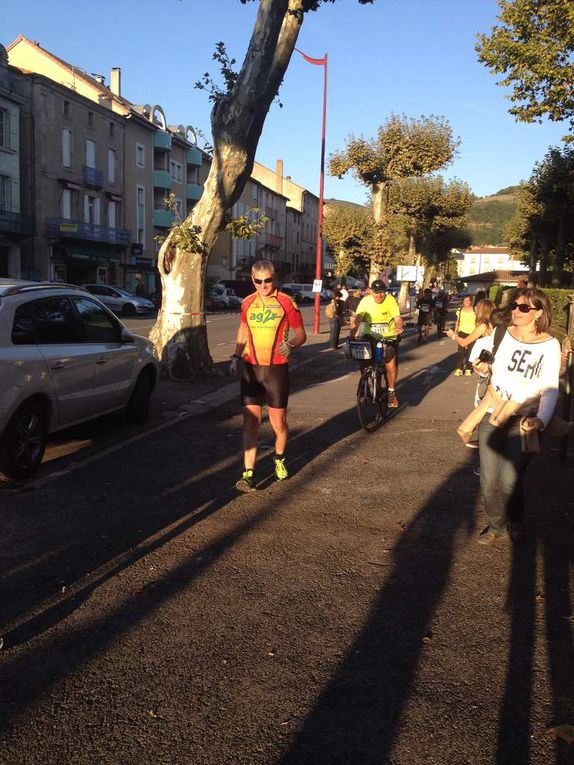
pixel 336 321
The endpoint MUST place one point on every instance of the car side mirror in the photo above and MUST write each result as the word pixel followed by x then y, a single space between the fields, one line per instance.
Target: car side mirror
pixel 126 337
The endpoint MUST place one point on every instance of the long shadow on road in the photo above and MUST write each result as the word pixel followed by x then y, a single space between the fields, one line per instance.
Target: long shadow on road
pixel 356 718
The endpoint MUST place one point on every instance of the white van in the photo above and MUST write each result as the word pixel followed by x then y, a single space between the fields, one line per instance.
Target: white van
pixel 306 292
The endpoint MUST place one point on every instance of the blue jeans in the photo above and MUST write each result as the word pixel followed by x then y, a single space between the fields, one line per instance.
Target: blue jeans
pixel 502 468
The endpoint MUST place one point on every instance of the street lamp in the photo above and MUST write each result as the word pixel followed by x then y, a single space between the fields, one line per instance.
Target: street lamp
pixel 319 253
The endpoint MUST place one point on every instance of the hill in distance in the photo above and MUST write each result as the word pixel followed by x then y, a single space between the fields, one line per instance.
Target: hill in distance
pixel 488 216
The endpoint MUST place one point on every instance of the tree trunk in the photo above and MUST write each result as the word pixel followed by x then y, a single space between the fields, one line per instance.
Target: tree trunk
pixel 543 260
pixel 380 199
pixel 180 333
pixel 560 254
pixel 532 276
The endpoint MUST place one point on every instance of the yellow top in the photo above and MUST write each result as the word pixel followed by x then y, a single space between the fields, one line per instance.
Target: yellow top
pixel 466 320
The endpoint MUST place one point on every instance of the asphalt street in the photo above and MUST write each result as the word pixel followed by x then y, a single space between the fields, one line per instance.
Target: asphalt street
pixel 347 615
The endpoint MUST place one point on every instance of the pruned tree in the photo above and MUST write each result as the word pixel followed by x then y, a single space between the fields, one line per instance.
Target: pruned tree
pixel 237 119
pixel 404 147
pixel 348 232
pixel 533 47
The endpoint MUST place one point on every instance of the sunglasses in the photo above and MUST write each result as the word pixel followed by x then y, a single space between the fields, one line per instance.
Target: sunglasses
pixel 522 307
pixel 263 281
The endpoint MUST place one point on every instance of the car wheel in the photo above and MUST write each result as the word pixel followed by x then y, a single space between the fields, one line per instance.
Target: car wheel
pixel 306 300
pixel 137 410
pixel 24 442
pixel 129 310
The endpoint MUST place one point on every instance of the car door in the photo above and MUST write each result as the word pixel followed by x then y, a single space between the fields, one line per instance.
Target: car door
pixel 70 362
pixel 115 361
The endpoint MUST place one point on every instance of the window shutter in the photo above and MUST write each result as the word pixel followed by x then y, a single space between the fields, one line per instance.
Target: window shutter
pixel 97 211
pixel 86 209
pixel 13 136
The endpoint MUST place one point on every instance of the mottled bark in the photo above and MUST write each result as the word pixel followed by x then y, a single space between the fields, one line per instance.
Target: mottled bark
pixel 560 254
pixel 180 334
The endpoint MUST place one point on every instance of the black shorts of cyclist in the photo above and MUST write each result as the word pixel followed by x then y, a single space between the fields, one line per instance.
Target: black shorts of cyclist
pixel 265 385
pixel 391 349
pixel 425 319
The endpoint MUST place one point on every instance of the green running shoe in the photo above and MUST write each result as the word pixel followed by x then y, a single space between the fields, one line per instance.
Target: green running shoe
pixel 246 482
pixel 280 470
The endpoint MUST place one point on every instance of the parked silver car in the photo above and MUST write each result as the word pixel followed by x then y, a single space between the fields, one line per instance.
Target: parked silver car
pixel 64 358
pixel 120 301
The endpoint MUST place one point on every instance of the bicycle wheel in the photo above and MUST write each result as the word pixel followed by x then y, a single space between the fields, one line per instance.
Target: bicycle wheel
pixel 370 410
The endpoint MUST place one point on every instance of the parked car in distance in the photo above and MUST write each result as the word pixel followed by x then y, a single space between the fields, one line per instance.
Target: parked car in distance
pixel 64 358
pixel 221 296
pixel 120 301
pixel 241 287
pixel 292 293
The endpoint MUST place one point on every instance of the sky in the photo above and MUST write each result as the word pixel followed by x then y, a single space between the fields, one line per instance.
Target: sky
pixel 412 57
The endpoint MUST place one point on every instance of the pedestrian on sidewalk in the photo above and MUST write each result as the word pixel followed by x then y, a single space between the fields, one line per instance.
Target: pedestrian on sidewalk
pixel 525 375
pixel 425 306
pixel 465 326
pixel 334 311
pixel 261 360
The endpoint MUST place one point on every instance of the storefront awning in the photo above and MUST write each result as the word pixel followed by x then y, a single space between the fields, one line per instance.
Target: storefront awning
pixel 88 253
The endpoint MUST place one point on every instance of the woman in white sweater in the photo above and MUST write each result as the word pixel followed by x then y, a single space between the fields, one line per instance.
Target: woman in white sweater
pixel 526 369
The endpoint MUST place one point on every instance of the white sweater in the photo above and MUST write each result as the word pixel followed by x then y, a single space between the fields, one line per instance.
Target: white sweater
pixel 522 371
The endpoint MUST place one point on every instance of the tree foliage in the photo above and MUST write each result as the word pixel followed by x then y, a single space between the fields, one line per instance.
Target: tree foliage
pixel 533 47
pixel 348 232
pixel 404 147
pixel 542 231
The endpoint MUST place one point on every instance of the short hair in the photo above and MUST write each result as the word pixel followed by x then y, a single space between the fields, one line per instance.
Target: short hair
pixel 263 265
pixel 540 301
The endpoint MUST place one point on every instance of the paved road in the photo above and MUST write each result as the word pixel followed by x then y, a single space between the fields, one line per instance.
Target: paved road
pixel 150 615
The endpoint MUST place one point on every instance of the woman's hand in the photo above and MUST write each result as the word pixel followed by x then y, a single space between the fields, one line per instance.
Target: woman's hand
pixel 449 333
pixel 529 424
pixel 481 367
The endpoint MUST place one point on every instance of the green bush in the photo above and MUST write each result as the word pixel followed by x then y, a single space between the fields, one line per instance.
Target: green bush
pixel 559 302
pixel 495 293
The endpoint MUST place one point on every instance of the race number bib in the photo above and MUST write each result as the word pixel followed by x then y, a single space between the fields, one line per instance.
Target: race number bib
pixel 425 308
pixel 380 329
pixel 438 303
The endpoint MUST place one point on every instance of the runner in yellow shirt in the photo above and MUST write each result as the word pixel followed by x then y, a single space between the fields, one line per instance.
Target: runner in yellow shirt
pixel 381 317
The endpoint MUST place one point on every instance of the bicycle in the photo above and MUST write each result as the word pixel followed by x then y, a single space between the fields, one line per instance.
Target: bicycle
pixel 372 390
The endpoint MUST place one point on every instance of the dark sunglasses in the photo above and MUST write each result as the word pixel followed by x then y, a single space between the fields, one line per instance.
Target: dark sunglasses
pixel 263 281
pixel 522 307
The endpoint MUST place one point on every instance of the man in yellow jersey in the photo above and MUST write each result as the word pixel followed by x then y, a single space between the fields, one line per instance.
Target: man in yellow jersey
pixel 381 317
pixel 261 360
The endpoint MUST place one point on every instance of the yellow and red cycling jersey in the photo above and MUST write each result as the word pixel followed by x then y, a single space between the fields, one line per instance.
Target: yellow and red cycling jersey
pixel 268 321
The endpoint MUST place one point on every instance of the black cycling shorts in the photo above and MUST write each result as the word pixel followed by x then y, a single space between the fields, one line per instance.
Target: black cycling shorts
pixel 265 385
pixel 391 351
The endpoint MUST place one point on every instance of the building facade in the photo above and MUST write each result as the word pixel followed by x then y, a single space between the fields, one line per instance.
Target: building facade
pixel 478 260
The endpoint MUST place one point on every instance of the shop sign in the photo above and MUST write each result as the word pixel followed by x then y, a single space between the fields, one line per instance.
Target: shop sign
pixel 68 228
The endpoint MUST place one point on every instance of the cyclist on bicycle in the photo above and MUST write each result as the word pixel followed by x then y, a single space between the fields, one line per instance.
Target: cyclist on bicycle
pixel 381 317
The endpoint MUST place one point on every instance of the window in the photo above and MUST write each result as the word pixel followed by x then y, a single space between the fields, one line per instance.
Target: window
pixel 66 110
pixel 55 321
pixel 98 326
pixel 23 328
pixel 4 129
pixel 91 210
pixel 111 214
pixel 90 153
pixel 111 166
pixel 141 214
pixel 91 119
pixel 112 129
pixel 178 208
pixel 140 155
pixel 66 204
pixel 5 193
pixel 67 147
pixel 176 171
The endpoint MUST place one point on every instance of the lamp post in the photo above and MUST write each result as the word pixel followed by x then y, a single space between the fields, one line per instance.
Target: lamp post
pixel 319 253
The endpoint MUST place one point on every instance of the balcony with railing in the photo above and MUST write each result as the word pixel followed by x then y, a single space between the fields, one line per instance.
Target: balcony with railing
pixel 16 223
pixel 93 177
pixel 75 229
pixel 162 140
pixel 194 157
pixel 194 191
pixel 163 218
pixel 161 179
pixel 273 241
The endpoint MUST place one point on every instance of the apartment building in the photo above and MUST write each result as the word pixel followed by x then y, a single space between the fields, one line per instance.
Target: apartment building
pixel 301 220
pixel 479 260
pixel 133 162
pixel 16 221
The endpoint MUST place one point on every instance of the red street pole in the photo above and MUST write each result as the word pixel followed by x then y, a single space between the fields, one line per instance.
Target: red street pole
pixel 319 254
